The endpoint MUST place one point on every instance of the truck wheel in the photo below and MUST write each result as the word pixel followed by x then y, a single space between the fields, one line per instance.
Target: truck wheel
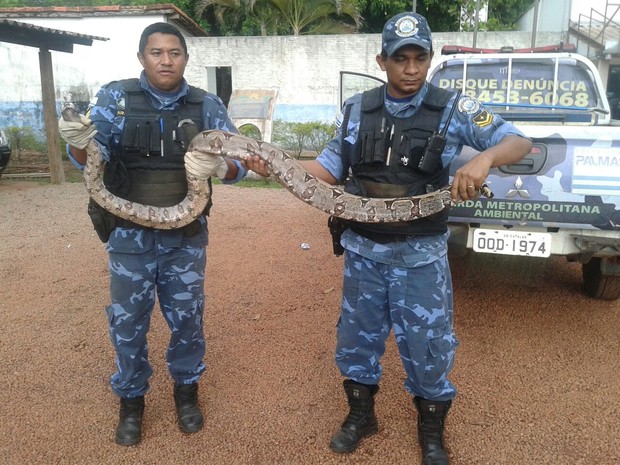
pixel 598 285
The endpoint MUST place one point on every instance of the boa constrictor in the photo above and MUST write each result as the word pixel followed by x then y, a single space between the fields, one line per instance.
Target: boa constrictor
pixel 284 168
pixel 303 185
pixel 176 216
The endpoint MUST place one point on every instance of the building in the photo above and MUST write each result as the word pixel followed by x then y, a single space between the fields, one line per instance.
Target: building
pixel 593 26
pixel 303 71
pixel 77 75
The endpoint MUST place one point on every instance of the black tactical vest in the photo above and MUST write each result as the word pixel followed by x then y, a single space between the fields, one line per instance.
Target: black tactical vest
pixel 148 165
pixel 403 141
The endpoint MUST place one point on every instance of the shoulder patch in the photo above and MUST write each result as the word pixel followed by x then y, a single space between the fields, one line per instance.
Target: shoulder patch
pixel 468 105
pixel 483 119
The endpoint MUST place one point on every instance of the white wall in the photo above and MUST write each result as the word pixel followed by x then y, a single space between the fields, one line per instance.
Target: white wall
pixel 85 68
pixel 553 15
pixel 304 69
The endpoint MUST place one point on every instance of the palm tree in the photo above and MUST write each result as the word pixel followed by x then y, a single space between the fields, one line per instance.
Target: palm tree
pixel 318 16
pixel 301 16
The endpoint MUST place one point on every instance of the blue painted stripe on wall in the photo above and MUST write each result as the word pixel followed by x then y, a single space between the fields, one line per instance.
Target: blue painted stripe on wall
pixel 305 113
pixel 24 114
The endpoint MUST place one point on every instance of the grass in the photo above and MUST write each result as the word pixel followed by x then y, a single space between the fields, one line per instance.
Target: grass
pixel 253 183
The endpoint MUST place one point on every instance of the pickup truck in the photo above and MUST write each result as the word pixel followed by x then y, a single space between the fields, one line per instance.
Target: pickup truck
pixel 564 197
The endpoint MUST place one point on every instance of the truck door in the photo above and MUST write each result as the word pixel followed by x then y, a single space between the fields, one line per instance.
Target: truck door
pixel 353 83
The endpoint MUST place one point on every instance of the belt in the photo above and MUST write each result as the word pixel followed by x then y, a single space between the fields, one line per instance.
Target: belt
pixel 380 237
pixel 189 230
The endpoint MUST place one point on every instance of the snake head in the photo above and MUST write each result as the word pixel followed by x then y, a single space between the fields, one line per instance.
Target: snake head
pixel 216 144
pixel 69 113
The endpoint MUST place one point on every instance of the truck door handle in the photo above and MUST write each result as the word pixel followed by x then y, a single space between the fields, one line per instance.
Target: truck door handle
pixel 525 163
pixel 531 164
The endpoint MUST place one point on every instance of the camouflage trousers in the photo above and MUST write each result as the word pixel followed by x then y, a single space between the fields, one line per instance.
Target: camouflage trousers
pixel 144 263
pixel 416 302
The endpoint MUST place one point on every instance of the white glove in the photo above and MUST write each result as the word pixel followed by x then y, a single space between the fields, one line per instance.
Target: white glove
pixel 203 165
pixel 77 134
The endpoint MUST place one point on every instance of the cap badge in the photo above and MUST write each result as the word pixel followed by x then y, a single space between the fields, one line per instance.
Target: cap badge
pixel 406 26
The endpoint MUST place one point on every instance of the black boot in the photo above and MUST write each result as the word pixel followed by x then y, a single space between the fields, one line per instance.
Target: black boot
pixel 188 412
pixel 129 428
pixel 360 422
pixel 431 418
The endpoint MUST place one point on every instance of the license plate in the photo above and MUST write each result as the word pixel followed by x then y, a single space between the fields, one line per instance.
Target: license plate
pixel 512 242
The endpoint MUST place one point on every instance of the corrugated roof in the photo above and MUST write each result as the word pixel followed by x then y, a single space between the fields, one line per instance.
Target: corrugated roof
pixel 174 14
pixel 18 32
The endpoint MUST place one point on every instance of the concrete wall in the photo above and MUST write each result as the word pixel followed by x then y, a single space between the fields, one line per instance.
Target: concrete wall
pixel 304 69
pixel 78 74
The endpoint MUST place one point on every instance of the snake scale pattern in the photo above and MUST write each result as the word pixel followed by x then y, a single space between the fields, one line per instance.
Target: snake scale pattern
pixel 284 168
pixel 308 188
pixel 176 216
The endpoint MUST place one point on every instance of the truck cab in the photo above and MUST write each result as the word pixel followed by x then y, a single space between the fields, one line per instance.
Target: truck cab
pixel 564 197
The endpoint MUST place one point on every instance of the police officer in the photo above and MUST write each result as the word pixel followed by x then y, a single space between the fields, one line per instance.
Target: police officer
pixel 396 276
pixel 143 127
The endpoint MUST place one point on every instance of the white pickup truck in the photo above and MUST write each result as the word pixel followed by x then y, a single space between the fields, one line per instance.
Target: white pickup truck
pixel 564 197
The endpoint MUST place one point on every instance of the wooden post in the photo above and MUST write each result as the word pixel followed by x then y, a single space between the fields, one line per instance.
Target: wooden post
pixel 57 172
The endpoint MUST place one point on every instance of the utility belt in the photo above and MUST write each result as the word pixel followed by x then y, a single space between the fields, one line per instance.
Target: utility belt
pixel 189 230
pixel 105 222
pixel 381 237
pixel 337 226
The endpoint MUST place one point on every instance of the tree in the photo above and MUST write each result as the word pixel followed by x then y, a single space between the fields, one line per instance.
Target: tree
pixel 278 16
pixel 320 16
pixel 442 15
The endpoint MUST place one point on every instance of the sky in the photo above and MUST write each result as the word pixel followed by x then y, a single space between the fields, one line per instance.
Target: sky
pixel 583 7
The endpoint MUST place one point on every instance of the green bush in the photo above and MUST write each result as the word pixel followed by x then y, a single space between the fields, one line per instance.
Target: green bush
pixel 24 138
pixel 300 137
pixel 249 130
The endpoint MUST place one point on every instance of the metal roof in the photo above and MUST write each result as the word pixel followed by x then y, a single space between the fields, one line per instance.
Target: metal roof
pixel 17 32
pixel 173 14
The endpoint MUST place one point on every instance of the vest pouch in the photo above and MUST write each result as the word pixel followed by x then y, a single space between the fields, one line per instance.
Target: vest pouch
pixel 185 132
pixel 354 186
pixel 410 151
pixel 103 221
pixel 141 135
pixel 116 177
pixel 374 146
pixel 431 159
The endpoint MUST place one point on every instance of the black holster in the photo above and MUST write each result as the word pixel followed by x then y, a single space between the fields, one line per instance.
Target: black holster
pixel 336 227
pixel 103 221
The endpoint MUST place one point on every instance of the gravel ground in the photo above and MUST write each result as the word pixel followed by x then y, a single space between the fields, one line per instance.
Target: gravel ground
pixel 537 369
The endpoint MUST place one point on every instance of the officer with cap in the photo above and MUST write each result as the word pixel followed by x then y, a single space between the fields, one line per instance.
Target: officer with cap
pixel 397 276
pixel 143 127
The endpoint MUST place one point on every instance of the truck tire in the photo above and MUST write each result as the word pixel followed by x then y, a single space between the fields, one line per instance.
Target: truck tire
pixel 598 285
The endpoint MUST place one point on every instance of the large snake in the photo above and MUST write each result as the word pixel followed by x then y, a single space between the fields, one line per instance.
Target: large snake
pixel 284 168
pixel 312 190
pixel 176 216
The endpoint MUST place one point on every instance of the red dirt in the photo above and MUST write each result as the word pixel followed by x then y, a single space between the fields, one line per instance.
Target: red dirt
pixel 537 369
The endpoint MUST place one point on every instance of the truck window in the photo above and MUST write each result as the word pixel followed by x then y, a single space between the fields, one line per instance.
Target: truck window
pixel 352 83
pixel 522 82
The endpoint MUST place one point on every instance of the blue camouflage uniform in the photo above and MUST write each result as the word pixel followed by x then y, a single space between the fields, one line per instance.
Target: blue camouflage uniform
pixel 145 263
pixel 405 286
